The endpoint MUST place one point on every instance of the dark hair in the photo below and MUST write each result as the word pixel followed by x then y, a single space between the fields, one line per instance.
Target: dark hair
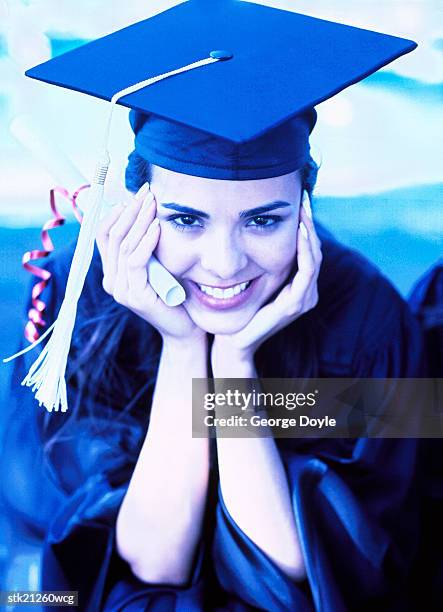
pixel 113 365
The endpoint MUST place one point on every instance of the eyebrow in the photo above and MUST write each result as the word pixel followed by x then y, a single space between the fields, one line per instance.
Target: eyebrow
pixel 186 209
pixel 259 210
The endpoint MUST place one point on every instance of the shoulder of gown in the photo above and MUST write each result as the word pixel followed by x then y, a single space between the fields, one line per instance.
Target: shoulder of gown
pixel 363 325
pixel 426 301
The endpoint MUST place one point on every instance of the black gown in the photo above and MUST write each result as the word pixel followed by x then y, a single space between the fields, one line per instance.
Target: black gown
pixel 354 500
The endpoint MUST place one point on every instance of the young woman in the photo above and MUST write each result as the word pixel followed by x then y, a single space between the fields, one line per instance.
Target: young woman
pixel 172 520
pixel 156 519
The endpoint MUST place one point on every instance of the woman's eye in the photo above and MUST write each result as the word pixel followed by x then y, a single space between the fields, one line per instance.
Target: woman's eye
pixel 185 222
pixel 264 221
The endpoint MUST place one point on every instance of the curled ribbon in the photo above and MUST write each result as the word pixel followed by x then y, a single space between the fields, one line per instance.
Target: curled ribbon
pixel 38 308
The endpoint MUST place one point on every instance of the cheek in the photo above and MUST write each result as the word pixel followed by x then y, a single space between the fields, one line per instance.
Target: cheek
pixel 278 252
pixel 173 251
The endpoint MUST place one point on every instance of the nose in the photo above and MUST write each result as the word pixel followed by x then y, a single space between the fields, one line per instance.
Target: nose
pixel 223 257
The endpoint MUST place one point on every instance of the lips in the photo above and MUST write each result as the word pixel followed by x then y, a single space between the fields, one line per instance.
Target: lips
pixel 222 298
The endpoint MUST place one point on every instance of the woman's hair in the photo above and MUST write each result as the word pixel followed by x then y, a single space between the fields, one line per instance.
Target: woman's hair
pixel 112 370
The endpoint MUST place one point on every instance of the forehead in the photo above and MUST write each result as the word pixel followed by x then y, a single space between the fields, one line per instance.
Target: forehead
pixel 169 186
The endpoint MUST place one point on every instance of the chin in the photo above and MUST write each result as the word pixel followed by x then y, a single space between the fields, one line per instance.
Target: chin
pixel 222 324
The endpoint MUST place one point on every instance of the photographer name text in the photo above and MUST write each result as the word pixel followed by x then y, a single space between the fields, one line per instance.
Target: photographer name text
pixel 256 420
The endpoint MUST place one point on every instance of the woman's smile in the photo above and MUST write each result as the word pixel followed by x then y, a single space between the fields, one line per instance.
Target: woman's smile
pixel 218 297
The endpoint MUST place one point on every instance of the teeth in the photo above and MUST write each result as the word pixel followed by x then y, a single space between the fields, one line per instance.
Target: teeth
pixel 224 294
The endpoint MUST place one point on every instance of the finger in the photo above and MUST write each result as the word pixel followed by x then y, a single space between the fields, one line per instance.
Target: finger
pixel 103 230
pixel 308 221
pixel 314 241
pixel 120 288
pixel 293 299
pixel 137 265
pixel 129 243
pixel 305 257
pixel 116 234
pixel 311 294
pixel 142 192
pixel 306 204
pixel 139 228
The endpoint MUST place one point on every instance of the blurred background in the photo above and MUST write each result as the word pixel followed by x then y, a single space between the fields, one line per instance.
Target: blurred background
pixel 379 187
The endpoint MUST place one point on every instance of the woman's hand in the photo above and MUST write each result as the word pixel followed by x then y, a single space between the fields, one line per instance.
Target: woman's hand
pixel 296 298
pixel 126 240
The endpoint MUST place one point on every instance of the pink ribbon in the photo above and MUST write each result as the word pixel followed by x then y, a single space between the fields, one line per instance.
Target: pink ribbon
pixel 35 314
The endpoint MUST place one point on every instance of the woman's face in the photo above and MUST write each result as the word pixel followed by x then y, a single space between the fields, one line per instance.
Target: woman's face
pixel 231 244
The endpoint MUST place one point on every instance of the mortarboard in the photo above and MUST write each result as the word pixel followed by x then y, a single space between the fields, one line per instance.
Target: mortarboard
pixel 247 117
pixel 219 89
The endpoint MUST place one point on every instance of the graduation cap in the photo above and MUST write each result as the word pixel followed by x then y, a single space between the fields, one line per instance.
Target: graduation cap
pixel 244 118
pixel 219 89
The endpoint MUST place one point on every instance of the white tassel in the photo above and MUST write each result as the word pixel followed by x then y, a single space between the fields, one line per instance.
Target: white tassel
pixel 47 373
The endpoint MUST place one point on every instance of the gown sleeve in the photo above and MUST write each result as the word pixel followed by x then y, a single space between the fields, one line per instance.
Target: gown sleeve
pixel 76 515
pixel 79 550
pixel 354 502
pixel 80 555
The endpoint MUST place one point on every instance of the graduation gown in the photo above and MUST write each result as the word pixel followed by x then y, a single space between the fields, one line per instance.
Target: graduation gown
pixel 354 500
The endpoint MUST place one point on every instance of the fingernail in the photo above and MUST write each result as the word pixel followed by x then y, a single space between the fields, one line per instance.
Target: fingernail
pixel 303 230
pixel 142 191
pixel 307 204
pixel 147 203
